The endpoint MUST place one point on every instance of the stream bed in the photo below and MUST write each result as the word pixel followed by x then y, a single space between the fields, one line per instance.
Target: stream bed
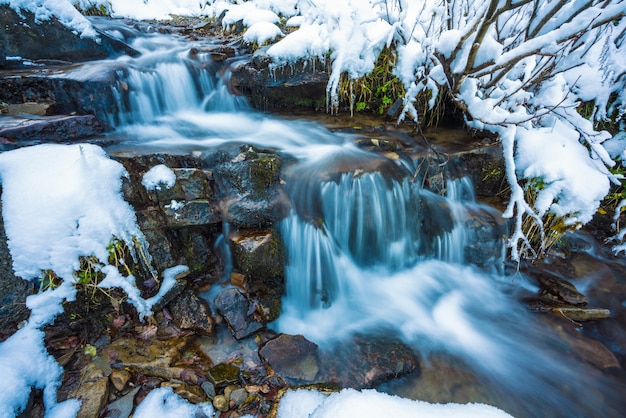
pixel 373 253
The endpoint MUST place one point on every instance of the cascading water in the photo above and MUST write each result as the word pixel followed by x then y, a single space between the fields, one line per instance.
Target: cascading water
pixel 369 251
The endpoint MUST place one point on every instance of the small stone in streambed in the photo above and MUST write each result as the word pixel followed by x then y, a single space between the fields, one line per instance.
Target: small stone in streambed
pixel 223 374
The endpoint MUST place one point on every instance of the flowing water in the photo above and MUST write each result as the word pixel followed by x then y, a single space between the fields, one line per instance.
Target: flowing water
pixel 369 251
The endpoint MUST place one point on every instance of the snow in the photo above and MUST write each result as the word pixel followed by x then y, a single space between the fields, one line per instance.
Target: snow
pixel 60 202
pixel 62 9
pixel 164 403
pixel 304 403
pixel 159 176
pixel 262 32
pixel 574 189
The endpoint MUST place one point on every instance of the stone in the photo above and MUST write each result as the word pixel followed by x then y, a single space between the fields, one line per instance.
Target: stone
pixel 191 213
pixel 191 313
pixel 258 254
pixel 191 184
pixel 93 392
pixel 582 313
pixel 122 407
pixel 235 308
pixel 367 361
pixel 250 191
pixel 223 374
pixel 556 288
pixel 238 396
pixel 292 357
pixel 192 393
pixel 220 403
pixel 209 389
pixel 119 378
pixel 151 357
pixel 151 221
pixel 301 84
pixel 50 128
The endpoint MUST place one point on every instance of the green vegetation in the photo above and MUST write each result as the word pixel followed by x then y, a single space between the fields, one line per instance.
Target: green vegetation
pixel 542 236
pixel 376 91
pixel 96 10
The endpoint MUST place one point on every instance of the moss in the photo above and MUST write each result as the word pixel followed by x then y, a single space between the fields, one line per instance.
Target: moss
pixel 264 170
pixel 96 10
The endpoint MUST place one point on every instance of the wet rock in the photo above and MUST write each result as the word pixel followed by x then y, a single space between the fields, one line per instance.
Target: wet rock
pixel 484 165
pixel 119 378
pixel 93 392
pixel 13 290
pixel 209 389
pixel 223 374
pixel 586 349
pixel 258 254
pixel 150 357
pixel 65 92
pixel 557 288
pixel 151 221
pixel 443 378
pixel 237 397
pixel 192 393
pixel 191 313
pixel 292 357
pixel 367 361
pixel 50 129
pixel 302 84
pixel 191 213
pixel 249 187
pixel 236 310
pixel 22 35
pixel 187 167
pixel 191 184
pixel 485 236
pixel 122 407
pixel 28 108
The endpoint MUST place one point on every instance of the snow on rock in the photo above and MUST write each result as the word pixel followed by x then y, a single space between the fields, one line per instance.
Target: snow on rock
pixel 304 403
pixel 61 202
pixel 159 176
pixel 61 9
pixel 262 32
pixel 142 9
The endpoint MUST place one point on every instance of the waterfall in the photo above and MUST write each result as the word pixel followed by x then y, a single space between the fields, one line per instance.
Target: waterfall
pixel 368 250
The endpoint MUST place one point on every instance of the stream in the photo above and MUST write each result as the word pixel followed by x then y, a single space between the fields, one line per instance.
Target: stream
pixel 372 252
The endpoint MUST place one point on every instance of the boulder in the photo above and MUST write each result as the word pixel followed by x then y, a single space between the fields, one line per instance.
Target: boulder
pixel 292 357
pixel 51 128
pixel 367 361
pixel 302 84
pixel 236 310
pixel 24 36
pixel 191 313
pixel 249 189
pixel 258 254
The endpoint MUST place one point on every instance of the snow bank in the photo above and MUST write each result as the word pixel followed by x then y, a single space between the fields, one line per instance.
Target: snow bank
pixel 62 9
pixel 59 202
pixel 372 404
pixel 142 9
